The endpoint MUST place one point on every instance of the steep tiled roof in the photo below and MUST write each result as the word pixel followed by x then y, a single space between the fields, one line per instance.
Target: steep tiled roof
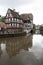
pixel 14 13
pixel 27 16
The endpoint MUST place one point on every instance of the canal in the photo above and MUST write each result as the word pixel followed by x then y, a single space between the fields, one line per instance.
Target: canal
pixel 24 50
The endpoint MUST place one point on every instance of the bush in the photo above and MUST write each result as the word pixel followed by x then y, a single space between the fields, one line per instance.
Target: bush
pixel 2 19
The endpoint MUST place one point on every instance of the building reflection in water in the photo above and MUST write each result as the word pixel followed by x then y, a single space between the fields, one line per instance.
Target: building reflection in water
pixel 12 46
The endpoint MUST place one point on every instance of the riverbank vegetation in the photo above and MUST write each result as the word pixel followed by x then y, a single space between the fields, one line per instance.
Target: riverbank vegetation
pixel 2 19
pixel 41 28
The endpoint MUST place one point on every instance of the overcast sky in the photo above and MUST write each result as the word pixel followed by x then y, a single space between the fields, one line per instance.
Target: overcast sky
pixel 24 6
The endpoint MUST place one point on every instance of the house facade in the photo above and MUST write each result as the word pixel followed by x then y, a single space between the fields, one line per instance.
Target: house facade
pixel 13 21
pixel 28 22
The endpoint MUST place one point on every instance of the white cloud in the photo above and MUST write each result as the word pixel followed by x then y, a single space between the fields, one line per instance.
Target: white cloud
pixel 35 9
pixel 2 10
pixel 24 6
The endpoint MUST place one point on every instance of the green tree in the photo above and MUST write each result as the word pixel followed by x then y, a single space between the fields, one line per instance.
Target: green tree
pixel 2 19
pixel 41 28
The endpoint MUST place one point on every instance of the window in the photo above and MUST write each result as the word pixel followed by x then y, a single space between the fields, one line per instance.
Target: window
pixel 9 19
pixel 6 20
pixel 21 21
pixel 17 25
pixel 7 15
pixel 10 14
pixel 28 21
pixel 9 24
pixel 12 19
pixel 14 25
pixel 15 19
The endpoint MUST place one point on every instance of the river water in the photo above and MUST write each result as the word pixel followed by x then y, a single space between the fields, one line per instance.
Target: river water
pixel 24 50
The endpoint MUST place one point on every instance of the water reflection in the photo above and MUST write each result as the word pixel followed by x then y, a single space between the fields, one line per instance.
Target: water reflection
pixel 24 50
pixel 37 31
pixel 13 45
pixel 37 47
